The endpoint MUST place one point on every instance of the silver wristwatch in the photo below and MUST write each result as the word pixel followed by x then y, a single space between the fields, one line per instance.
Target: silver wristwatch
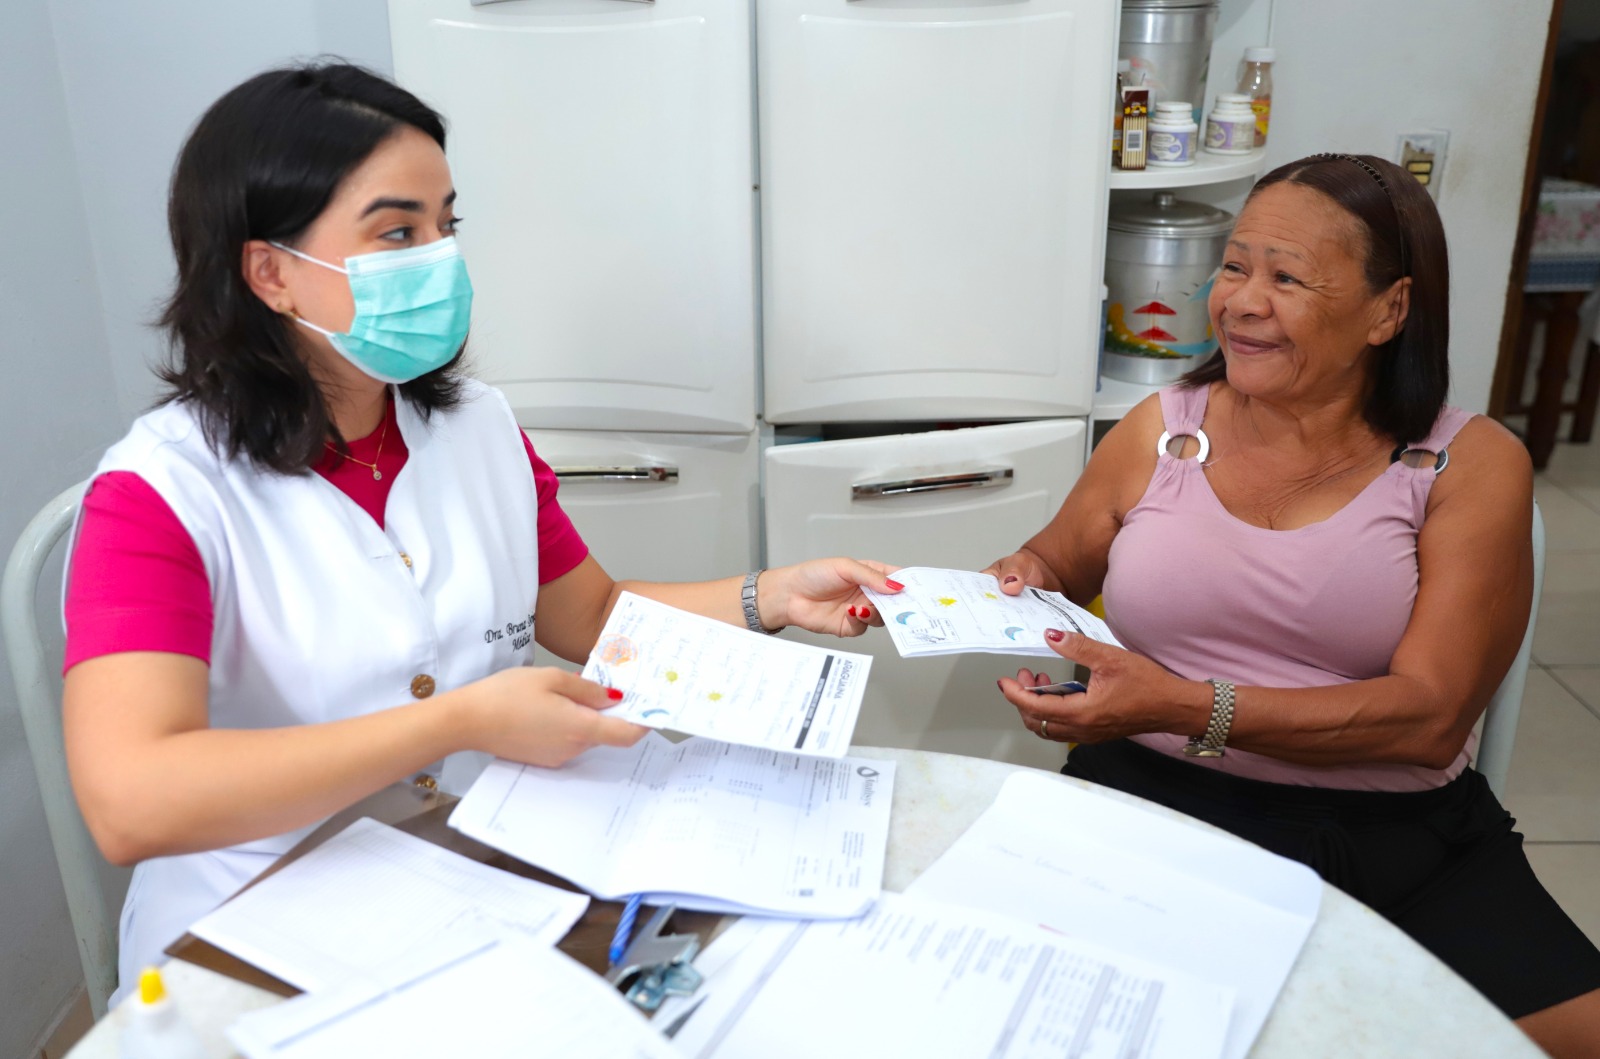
pixel 747 597
pixel 1211 744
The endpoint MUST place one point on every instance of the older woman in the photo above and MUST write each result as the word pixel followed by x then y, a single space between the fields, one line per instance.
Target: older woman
pixel 1322 572
pixel 319 566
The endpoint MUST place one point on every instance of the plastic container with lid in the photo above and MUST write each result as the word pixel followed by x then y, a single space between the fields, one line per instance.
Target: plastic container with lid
pixel 1174 136
pixel 1169 44
pixel 1161 257
pixel 1231 125
pixel 153 1028
pixel 1256 83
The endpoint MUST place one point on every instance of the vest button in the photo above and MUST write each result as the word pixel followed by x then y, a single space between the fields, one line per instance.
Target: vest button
pixel 425 782
pixel 421 686
pixel 405 559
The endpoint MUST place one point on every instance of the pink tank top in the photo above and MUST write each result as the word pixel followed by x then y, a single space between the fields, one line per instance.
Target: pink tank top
pixel 1209 595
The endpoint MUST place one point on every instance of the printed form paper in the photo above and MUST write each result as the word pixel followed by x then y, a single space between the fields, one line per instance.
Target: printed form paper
pixel 918 977
pixel 1155 888
pixel 704 824
pixel 943 612
pixel 367 895
pixel 705 677
pixel 490 998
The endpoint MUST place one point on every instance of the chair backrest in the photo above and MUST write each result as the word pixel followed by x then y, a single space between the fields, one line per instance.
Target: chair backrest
pixel 1500 719
pixel 77 857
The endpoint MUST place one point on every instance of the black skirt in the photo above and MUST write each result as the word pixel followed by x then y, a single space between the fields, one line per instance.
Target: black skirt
pixel 1443 865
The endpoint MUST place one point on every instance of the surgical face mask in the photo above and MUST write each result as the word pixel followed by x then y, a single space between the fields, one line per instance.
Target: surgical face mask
pixel 413 307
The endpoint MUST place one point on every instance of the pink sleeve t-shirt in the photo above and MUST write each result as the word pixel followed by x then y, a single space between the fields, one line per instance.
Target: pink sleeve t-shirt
pixel 137 582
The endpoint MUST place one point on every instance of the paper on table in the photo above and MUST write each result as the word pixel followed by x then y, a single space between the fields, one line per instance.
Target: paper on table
pixel 922 978
pixel 486 997
pixel 364 897
pixel 719 827
pixel 1107 872
pixel 943 612
pixel 705 677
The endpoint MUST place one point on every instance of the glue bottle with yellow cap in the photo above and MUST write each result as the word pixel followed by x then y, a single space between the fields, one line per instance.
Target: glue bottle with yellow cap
pixel 154 1029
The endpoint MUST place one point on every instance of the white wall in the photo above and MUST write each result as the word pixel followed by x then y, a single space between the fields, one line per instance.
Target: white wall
pixel 57 412
pixel 137 77
pixel 1354 74
pixel 95 99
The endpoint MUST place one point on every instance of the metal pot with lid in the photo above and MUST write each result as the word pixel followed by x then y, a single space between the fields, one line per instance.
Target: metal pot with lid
pixel 1168 43
pixel 1161 257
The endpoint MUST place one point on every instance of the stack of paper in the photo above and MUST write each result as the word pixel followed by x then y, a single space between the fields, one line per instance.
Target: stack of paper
pixel 367 896
pixel 1148 886
pixel 945 612
pixel 489 998
pixel 923 978
pixel 703 824
pixel 704 677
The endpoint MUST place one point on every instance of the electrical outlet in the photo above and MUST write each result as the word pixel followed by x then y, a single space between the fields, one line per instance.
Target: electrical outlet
pixel 1422 155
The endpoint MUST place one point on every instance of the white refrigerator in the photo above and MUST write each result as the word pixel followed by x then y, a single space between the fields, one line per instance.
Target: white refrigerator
pixel 773 280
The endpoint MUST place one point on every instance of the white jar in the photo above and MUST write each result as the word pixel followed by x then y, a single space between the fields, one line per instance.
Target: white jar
pixel 1231 126
pixel 1173 134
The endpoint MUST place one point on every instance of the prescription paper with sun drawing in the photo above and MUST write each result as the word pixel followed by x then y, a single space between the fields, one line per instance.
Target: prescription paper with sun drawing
pixel 692 674
pixel 943 612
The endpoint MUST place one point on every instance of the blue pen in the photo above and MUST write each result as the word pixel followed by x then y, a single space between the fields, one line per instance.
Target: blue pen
pixel 619 940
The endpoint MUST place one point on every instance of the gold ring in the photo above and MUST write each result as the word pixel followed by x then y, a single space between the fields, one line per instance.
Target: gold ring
pixel 1044 729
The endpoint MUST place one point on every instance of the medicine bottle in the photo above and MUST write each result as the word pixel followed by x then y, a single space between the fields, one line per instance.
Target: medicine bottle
pixel 1231 125
pixel 1256 83
pixel 1173 134
pixel 153 1028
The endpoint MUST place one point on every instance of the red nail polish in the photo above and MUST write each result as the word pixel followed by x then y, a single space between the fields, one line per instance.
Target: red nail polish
pixel 614 694
pixel 852 612
pixel 1011 579
pixel 999 685
pixel 1054 635
pixel 866 612
pixel 894 586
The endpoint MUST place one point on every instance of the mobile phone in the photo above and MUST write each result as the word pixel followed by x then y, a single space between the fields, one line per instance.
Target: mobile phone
pixel 1064 687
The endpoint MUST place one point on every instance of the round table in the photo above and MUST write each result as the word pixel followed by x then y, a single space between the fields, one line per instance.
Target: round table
pixel 1360 986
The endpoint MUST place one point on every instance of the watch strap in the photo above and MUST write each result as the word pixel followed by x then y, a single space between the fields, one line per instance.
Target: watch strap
pixel 1215 739
pixel 747 598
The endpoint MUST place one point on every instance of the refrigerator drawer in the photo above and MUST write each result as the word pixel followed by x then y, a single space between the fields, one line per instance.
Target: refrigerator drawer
pixel 975 495
pixel 603 153
pixel 933 200
pixel 659 507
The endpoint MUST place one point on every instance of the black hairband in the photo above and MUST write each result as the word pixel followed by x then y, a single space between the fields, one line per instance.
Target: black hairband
pixel 1372 171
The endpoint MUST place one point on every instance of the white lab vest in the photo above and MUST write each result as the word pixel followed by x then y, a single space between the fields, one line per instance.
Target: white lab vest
pixel 317 614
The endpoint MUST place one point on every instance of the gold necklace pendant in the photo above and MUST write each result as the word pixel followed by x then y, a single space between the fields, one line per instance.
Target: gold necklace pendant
pixel 377 475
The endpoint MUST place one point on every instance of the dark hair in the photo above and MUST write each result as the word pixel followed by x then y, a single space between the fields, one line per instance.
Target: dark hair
pixel 1404 237
pixel 263 163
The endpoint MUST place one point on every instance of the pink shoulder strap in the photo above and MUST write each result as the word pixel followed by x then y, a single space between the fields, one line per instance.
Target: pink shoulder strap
pixel 1451 420
pixel 1183 408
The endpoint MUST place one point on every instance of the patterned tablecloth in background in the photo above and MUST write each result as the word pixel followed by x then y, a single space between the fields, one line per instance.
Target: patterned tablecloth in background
pixel 1565 255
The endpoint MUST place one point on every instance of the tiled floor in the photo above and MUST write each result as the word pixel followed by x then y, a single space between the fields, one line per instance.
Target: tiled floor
pixel 1554 785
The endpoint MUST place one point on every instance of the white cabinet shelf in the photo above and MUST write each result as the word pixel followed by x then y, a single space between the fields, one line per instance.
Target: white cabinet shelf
pixel 1207 169
pixel 1116 398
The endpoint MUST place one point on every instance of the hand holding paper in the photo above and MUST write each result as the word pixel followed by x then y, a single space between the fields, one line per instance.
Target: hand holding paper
pixel 942 612
pixel 702 677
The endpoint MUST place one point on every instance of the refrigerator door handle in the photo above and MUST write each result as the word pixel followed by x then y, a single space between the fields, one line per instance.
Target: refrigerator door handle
pixel 666 472
pixel 988 478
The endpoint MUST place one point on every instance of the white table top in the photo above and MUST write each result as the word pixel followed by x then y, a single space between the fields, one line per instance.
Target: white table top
pixel 1360 987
